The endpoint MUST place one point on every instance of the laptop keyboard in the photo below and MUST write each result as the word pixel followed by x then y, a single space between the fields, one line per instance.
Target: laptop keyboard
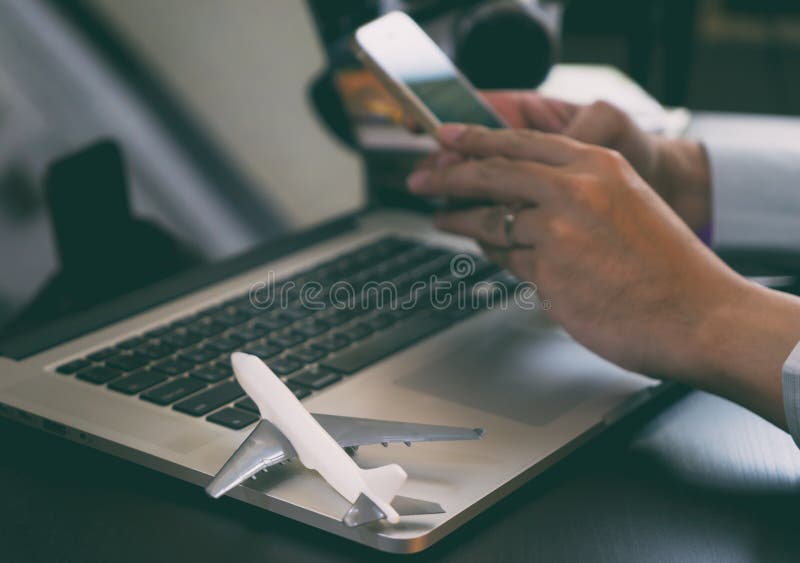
pixel 185 365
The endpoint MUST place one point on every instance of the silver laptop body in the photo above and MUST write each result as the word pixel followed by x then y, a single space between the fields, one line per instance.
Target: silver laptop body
pixel 537 394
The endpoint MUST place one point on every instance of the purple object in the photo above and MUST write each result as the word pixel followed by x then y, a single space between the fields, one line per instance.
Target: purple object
pixel 706 234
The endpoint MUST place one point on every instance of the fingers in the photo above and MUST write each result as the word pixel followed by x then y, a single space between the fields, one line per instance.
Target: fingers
pixel 524 109
pixel 565 111
pixel 496 179
pixel 547 114
pixel 598 124
pixel 480 142
pixel 488 226
pixel 439 159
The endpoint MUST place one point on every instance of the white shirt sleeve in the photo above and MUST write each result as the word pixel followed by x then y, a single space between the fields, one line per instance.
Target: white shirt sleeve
pixel 791 393
pixel 756 195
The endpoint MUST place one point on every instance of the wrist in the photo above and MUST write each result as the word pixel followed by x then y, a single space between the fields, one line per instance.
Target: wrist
pixel 682 175
pixel 743 345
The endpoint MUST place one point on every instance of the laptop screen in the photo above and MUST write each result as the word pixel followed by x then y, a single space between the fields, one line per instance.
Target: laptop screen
pixel 242 72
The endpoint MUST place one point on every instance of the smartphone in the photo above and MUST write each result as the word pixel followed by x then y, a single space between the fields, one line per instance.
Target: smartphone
pixel 420 75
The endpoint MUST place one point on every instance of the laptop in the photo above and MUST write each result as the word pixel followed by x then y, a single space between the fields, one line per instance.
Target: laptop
pixel 138 365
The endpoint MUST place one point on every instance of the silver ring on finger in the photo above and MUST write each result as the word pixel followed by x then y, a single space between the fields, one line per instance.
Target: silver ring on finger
pixel 509 220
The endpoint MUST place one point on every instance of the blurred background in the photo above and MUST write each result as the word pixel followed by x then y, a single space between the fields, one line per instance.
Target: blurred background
pixel 724 55
pixel 238 120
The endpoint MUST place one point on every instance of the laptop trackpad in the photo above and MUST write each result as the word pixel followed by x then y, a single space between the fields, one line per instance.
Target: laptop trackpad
pixel 531 375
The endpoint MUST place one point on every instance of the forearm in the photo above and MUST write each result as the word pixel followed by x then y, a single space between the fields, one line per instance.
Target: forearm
pixel 742 348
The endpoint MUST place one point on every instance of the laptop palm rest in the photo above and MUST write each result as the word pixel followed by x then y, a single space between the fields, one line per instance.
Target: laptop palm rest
pixel 530 372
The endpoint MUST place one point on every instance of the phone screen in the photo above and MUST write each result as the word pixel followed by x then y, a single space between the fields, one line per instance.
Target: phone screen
pixel 410 56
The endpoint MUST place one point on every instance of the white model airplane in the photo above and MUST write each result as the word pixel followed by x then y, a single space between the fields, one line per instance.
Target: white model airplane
pixel 321 442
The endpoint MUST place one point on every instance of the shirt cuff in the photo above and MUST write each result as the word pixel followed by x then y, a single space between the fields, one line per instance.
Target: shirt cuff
pixel 756 196
pixel 791 393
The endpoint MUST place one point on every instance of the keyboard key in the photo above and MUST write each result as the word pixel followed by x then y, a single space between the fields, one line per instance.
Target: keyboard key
pixel 310 353
pixel 224 365
pixel 357 331
pixel 233 418
pixel 173 366
pixel 208 312
pixel 337 317
pixel 185 321
pixel 182 338
pixel 224 344
pixel 99 374
pixel 273 320
pixel 334 342
pixel 155 350
pixel 244 306
pixel 248 333
pixel 172 391
pixel 207 329
pixel 287 339
pixel 248 404
pixel 199 355
pixel 312 327
pixel 73 366
pixel 207 401
pixel 210 373
pixel 298 312
pixel 387 342
pixel 156 332
pixel 299 391
pixel 137 382
pixel 285 366
pixel 131 343
pixel 316 378
pixel 264 351
pixel 128 361
pixel 103 354
pixel 231 317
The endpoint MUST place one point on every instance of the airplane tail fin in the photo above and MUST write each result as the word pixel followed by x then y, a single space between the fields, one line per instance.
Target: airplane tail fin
pixel 365 511
pixel 385 481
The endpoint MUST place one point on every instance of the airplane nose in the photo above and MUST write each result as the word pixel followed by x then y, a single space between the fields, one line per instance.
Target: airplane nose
pixel 238 358
pixel 245 366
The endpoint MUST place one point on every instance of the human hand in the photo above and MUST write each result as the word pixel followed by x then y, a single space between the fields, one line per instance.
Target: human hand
pixel 676 168
pixel 623 273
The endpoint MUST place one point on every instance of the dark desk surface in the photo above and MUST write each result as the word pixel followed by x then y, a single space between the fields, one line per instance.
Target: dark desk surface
pixel 701 480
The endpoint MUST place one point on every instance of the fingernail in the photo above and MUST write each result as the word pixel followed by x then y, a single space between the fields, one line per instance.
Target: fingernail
pixel 450 132
pixel 418 180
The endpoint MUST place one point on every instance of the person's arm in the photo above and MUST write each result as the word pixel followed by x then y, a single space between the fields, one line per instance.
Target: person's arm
pixel 623 273
pixel 746 194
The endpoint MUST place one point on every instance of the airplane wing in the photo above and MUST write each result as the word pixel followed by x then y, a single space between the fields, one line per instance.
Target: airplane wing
pixel 266 446
pixel 263 448
pixel 353 432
